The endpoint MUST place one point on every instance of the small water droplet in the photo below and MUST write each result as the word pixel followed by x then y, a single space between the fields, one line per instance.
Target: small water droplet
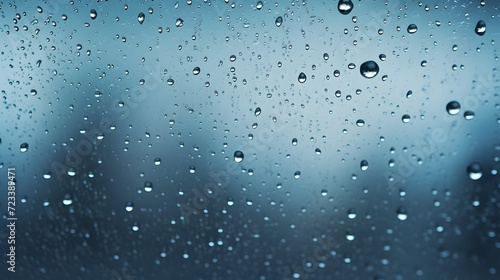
pixel 345 6
pixel 47 175
pixel 317 151
pixel 412 28
pixel 192 169
pixel 364 165
pixel 351 214
pixel 296 175
pixel 453 107
pixel 148 186
pixel 140 18
pixel 369 69
pixel 294 141
pixel 302 77
pixel 196 70
pixel 360 122
pixel 170 82
pixel 326 56
pixel 480 28
pixel 324 192
pixel 24 147
pixel 238 156
pixel 93 14
pixel 279 21
pixel 259 5
pixel 475 171
pixel 157 161
pixel 33 92
pixel 469 115
pixel 406 118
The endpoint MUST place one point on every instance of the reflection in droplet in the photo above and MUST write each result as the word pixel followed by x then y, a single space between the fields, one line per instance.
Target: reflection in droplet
pixel 302 77
pixel 238 156
pixel 369 69
pixel 345 6
pixel 475 171
pixel 480 28
pixel 453 107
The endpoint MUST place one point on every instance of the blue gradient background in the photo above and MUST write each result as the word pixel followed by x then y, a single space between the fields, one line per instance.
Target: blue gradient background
pixel 277 222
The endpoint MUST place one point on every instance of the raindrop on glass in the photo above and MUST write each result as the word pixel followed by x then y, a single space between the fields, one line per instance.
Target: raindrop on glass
pixel 93 14
pixel 302 77
pixel 129 206
pixel 402 214
pixel 412 28
pixel 480 28
pixel 364 165
pixel 345 6
pixel 475 171
pixel 279 21
pixel 238 156
pixel 369 69
pixel 179 22
pixel 405 118
pixel 24 147
pixel 140 18
pixel 453 107
pixel 258 111
pixel 67 200
pixel 148 186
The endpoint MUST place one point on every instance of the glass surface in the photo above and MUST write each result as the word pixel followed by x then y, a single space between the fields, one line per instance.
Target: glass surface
pixel 212 139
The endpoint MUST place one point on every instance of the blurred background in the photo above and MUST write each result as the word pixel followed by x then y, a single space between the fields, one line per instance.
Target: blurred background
pixel 251 139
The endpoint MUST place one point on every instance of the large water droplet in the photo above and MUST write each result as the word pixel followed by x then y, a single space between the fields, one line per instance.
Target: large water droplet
pixel 157 161
pixel 412 28
pixel 148 186
pixel 345 6
pixel 179 22
pixel 33 92
pixel 406 118
pixel 351 214
pixel 296 175
pixel 93 14
pixel 279 21
pixel 480 28
pixel 129 206
pixel 364 165
pixel 238 156
pixel 453 107
pixel 294 141
pixel 302 77
pixel 24 147
pixel 475 171
pixel 196 70
pixel 140 18
pixel 67 200
pixel 369 69
pixel 258 111
pixel 402 214
pixel 259 5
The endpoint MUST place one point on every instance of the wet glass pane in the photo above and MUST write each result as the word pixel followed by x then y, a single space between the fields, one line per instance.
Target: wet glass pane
pixel 213 139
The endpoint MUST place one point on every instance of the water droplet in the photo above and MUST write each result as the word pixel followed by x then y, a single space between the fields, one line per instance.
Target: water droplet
pixel 135 227
pixel 364 165
pixel 406 118
pixel 351 214
pixel 369 69
pixel 196 70
pixel 294 141
pixel 360 122
pixel 170 82
pixel 296 175
pixel 480 28
pixel 192 169
pixel 317 151
pixel 279 21
pixel 453 107
pixel 93 14
pixel 475 171
pixel 38 63
pixel 129 206
pixel 71 172
pixel 302 77
pixel 33 92
pixel 382 57
pixel 349 236
pixel 47 175
pixel 179 22
pixel 24 147
pixel 469 115
pixel 148 186
pixel 258 111
pixel 412 28
pixel 259 5
pixel 326 56
pixel 324 192
pixel 140 18
pixel 402 214
pixel 238 156
pixel 345 6
pixel 67 200
pixel 157 161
